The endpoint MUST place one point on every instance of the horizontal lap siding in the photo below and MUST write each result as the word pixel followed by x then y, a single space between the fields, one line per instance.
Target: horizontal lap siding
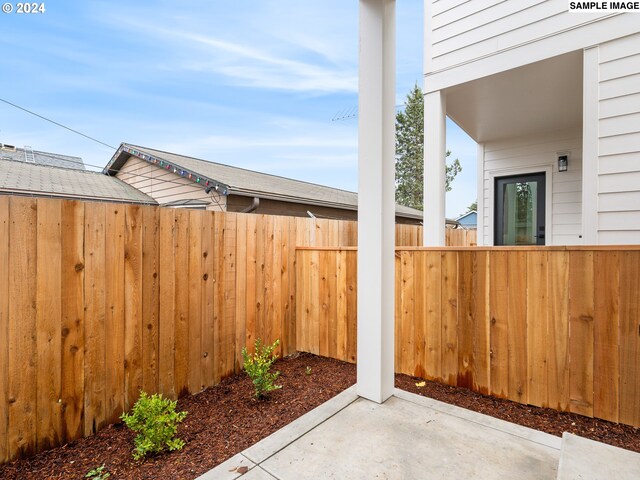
pixel 163 185
pixel 533 153
pixel 552 327
pixel 468 31
pixel 619 141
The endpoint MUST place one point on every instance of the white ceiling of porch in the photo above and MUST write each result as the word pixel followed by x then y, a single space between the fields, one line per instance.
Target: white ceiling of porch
pixel 540 97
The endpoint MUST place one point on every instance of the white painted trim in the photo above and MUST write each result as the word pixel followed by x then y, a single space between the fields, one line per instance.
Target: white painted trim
pixel 428 34
pixel 590 127
pixel 540 49
pixel 548 197
pixel 435 151
pixel 480 198
pixel 376 199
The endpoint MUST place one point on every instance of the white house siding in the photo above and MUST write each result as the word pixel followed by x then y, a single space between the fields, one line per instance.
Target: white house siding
pixel 533 154
pixel 165 186
pixel 619 141
pixel 483 37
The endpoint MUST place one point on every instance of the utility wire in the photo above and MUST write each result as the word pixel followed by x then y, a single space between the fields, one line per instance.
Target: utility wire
pixel 352 112
pixel 90 138
pixel 56 123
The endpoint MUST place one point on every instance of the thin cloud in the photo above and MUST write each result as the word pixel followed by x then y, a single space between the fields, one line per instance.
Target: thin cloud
pixel 249 66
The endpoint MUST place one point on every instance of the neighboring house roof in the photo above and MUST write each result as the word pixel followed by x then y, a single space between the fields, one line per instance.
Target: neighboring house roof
pixel 26 154
pixel 240 181
pixel 469 218
pixel 22 178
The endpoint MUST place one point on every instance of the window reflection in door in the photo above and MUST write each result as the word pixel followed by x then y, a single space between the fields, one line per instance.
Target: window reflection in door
pixel 519 210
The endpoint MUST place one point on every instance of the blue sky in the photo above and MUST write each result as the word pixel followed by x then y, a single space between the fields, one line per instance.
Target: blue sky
pixel 249 83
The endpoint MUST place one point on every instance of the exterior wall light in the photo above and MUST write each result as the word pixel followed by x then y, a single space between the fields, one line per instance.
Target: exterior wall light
pixel 563 162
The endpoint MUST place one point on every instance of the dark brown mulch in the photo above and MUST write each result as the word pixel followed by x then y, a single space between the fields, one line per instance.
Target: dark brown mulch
pixel 225 419
pixel 543 419
pixel 222 421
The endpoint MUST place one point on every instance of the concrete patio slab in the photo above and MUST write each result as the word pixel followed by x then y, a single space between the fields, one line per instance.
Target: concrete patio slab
pixel 283 437
pixel 228 470
pixel 535 436
pixel 404 440
pixel 258 473
pixel 586 459
pixel 406 437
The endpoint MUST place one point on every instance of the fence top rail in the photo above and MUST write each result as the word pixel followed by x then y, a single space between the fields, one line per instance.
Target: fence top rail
pixel 333 249
pixel 536 248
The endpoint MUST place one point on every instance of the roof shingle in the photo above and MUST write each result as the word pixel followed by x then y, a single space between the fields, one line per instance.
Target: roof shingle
pixel 245 182
pixel 24 178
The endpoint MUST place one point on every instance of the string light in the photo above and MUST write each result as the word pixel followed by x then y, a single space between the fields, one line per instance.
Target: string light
pixel 169 167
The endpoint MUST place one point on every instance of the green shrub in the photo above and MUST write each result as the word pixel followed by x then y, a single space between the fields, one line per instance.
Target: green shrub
pixel 156 421
pixel 98 473
pixel 257 367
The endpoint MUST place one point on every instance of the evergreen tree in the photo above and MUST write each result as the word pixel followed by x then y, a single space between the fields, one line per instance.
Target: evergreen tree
pixel 410 153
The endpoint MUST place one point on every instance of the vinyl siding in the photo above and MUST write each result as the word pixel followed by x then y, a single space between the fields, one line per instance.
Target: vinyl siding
pixel 502 34
pixel 165 186
pixel 532 154
pixel 619 141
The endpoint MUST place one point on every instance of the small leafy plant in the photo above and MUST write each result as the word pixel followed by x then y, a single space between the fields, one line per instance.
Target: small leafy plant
pixel 98 473
pixel 308 370
pixel 156 421
pixel 258 365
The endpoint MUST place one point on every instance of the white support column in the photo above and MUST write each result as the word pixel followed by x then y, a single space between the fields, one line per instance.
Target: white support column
pixel 376 200
pixel 435 132
pixel 590 146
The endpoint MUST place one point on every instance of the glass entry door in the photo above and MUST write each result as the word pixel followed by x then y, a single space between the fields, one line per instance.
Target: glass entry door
pixel 519 210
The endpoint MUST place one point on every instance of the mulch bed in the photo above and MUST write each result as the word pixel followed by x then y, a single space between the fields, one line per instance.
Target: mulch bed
pixel 225 419
pixel 543 419
pixel 222 421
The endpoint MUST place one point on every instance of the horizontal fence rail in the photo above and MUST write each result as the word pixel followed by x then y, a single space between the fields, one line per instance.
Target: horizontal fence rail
pixel 554 327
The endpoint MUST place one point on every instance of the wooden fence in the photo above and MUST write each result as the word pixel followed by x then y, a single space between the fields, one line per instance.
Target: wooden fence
pixel 411 236
pixel 98 301
pixel 553 327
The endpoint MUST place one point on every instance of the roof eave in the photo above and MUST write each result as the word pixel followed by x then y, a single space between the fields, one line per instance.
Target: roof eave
pixel 310 202
pixel 125 151
pixel 68 196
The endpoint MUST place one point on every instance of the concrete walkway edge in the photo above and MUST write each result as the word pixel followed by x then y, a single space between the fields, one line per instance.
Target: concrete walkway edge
pixel 269 446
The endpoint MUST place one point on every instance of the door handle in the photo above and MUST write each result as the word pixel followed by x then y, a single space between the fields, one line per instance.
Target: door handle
pixel 540 236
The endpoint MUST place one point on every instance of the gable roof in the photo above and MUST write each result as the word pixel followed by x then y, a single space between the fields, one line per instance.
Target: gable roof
pixel 465 215
pixel 240 181
pixel 9 152
pixel 22 178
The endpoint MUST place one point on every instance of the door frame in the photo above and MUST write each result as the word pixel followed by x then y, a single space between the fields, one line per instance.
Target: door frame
pixel 547 169
pixel 499 205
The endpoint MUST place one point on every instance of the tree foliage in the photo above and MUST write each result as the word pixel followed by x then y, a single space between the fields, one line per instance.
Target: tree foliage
pixel 410 153
pixel 473 207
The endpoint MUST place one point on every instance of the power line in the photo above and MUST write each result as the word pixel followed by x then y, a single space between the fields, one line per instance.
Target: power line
pixel 56 123
pixel 352 112
pixel 88 137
